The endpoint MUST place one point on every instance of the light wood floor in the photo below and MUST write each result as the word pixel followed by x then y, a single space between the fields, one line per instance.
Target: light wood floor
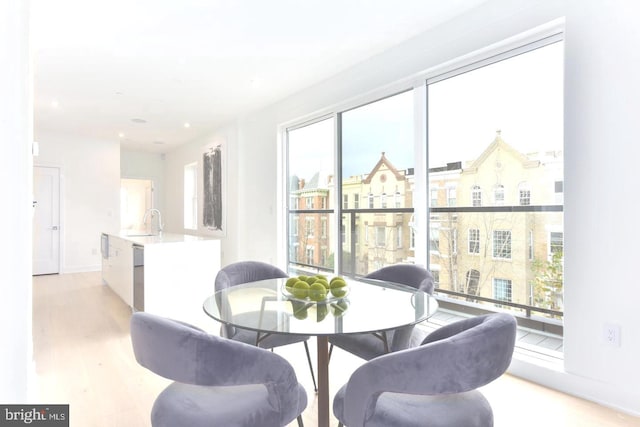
pixel 83 357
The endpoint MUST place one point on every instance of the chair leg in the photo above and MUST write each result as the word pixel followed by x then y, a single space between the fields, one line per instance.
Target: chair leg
pixel 313 377
pixel 300 424
pixel 330 351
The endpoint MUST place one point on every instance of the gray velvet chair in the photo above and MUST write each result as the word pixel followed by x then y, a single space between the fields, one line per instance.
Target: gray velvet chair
pixel 434 384
pixel 368 346
pixel 218 382
pixel 251 271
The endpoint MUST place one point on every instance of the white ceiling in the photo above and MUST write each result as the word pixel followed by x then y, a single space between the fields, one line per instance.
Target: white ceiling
pixel 100 65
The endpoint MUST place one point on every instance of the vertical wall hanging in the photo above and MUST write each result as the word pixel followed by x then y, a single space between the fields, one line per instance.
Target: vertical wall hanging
pixel 213 209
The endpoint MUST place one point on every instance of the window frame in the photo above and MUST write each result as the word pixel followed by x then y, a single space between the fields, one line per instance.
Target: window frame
pixel 544 35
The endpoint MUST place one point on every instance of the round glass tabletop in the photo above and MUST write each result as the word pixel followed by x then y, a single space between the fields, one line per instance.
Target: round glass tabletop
pixel 368 307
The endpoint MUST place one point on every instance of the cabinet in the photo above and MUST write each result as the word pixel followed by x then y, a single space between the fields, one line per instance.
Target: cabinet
pixel 177 275
pixel 118 272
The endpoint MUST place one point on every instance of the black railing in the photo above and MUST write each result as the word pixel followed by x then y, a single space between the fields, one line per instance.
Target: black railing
pixel 536 317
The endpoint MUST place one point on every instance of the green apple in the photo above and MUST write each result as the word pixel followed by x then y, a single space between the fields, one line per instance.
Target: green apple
pixel 323 282
pixel 317 292
pixel 301 289
pixel 311 280
pixel 289 284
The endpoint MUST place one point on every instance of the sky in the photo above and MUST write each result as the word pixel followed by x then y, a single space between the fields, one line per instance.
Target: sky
pixel 521 97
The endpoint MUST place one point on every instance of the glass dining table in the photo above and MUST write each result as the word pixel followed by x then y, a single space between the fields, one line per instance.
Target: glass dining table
pixel 267 307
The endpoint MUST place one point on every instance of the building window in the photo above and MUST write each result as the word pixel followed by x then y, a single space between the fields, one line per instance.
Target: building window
pixel 412 239
pixel 399 236
pixel 309 255
pixel 191 196
pixel 381 237
pixel 370 200
pixel 454 241
pixel 472 282
pixel 383 200
pixel 436 277
pixel 474 241
pixel 345 201
pixel 294 226
pixel 476 196
pixel 310 224
pixel 556 242
pixel 323 225
pixel 451 196
pixel 502 244
pixel 323 202
pixel 498 194
pixel 356 201
pixel 398 200
pixel 434 197
pixel 502 290
pixel 309 203
pixel 524 194
pixel 434 240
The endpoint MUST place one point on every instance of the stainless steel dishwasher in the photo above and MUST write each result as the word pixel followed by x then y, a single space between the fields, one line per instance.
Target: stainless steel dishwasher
pixel 138 278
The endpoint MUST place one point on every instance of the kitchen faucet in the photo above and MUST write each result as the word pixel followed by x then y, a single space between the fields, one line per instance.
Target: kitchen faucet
pixel 153 213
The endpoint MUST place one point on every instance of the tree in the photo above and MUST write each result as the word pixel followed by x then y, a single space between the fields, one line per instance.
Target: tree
pixel 548 282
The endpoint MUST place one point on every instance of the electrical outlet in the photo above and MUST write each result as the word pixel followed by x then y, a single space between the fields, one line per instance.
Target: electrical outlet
pixel 611 334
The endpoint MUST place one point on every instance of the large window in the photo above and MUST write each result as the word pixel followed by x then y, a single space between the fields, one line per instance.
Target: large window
pixel 378 162
pixel 474 192
pixel 501 122
pixel 310 220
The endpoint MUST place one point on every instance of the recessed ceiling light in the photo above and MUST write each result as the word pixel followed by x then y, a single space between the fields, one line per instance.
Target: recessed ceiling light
pixel 187 125
pixel 55 103
pixel 138 120
pixel 121 135
pixel 158 142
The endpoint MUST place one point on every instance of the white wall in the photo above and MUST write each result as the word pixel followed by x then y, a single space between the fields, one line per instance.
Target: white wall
pixel 16 123
pixel 602 151
pixel 90 195
pixel 141 165
pixel 602 95
pixel 175 162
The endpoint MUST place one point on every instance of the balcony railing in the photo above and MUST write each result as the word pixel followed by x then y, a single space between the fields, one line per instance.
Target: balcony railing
pixel 354 259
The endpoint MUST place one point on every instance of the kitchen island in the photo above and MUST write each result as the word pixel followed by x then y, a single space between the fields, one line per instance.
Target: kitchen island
pixel 167 274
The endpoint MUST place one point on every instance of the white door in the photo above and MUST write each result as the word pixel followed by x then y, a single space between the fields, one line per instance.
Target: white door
pixel 46 220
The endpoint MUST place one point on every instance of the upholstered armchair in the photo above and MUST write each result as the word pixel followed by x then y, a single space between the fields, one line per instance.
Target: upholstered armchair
pixel 370 345
pixel 252 271
pixel 217 381
pixel 434 384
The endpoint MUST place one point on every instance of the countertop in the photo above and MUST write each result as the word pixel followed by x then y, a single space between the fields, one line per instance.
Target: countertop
pixel 142 238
